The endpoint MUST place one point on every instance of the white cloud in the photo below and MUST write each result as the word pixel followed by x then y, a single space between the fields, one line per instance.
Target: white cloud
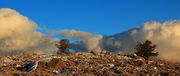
pixel 165 35
pixel 89 41
pixel 17 34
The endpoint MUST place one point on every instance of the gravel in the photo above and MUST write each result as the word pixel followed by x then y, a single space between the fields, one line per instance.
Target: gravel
pixel 86 64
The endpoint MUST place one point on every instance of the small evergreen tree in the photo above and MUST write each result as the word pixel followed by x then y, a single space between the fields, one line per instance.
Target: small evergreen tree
pixel 145 49
pixel 63 45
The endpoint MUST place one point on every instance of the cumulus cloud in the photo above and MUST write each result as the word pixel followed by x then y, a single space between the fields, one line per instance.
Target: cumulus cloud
pixel 88 42
pixel 18 34
pixel 165 35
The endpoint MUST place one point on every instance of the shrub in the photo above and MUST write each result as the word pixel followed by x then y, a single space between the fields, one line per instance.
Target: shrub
pixel 145 49
pixel 63 45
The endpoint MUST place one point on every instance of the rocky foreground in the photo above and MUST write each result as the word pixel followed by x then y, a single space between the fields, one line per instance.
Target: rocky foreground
pixel 85 64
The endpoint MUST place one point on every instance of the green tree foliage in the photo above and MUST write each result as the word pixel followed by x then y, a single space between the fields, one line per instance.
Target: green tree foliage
pixel 63 45
pixel 145 49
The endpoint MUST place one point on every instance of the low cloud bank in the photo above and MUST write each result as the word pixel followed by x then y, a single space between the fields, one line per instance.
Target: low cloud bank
pixel 88 42
pixel 18 34
pixel 165 35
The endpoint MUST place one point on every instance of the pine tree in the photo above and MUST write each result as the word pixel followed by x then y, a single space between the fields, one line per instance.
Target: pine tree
pixel 63 45
pixel 145 49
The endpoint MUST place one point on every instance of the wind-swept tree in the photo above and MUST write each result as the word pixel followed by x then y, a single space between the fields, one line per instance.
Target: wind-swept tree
pixel 63 45
pixel 145 49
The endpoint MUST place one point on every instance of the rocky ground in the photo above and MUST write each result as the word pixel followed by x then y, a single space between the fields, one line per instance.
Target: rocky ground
pixel 85 64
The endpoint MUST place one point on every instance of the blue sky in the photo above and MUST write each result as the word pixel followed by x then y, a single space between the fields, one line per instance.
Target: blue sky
pixel 105 17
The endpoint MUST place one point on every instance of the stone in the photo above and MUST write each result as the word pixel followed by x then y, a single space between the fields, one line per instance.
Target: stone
pixel 31 66
pixel 55 71
pixel 164 73
pixel 18 65
pixel 56 63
